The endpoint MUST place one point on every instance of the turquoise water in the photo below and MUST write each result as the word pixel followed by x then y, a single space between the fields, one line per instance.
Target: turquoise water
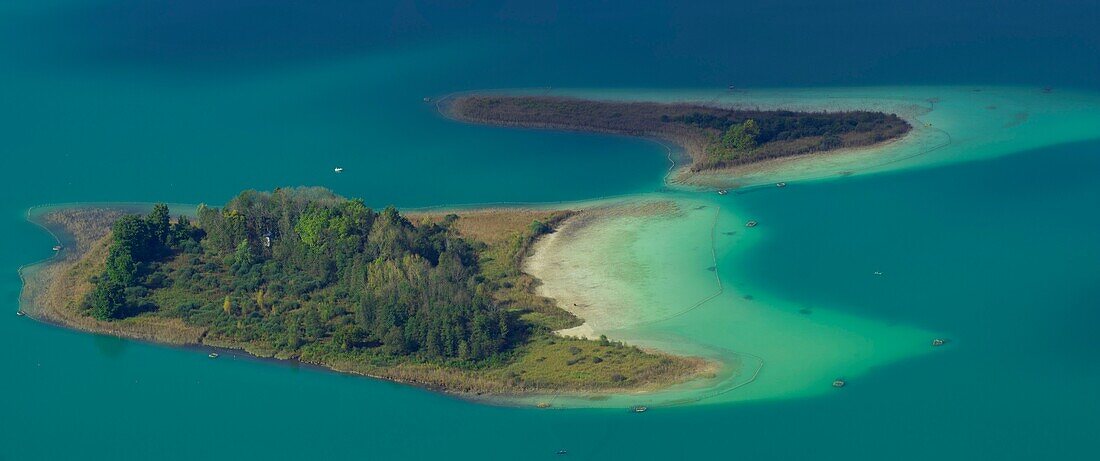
pixel 153 101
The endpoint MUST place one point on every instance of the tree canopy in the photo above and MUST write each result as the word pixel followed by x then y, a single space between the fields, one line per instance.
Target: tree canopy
pixel 302 266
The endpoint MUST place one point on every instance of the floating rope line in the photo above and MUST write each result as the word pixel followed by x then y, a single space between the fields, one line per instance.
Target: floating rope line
pixel 717 277
pixel 690 400
pixel 23 268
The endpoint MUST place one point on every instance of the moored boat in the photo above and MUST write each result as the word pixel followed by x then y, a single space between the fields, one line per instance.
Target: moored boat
pixel 723 192
pixel 213 355
pixel 780 184
pixel 639 408
pixel 338 170
pixel 20 313
pixel 839 383
pixel 938 342
pixel 750 224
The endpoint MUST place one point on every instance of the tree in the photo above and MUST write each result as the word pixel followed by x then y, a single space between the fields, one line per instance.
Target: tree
pixel 741 137
pixel 260 299
pixel 394 341
pixel 108 300
pixel 348 337
pixel 182 230
pixel 157 223
pixel 121 267
pixel 243 256
pixel 131 232
pixel 310 227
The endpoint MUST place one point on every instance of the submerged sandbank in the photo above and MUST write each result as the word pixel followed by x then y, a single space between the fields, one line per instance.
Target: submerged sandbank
pixel 645 273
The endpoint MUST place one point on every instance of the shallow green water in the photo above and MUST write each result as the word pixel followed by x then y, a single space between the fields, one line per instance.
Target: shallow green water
pixel 189 102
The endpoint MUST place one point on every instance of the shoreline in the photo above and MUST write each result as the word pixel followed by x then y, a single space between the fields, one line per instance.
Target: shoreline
pixel 39 280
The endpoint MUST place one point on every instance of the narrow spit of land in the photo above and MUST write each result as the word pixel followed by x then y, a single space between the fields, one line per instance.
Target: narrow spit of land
pixel 714 138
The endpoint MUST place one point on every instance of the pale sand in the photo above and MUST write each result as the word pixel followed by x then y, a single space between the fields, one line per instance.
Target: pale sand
pixel 598 292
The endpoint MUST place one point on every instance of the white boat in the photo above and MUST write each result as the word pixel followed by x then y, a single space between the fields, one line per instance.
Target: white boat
pixel 723 192
pixel 57 248
pixel 780 184
pixel 213 355
pixel 750 224
pixel 338 169
pixel 878 273
pixel 20 313
pixel 938 342
pixel 639 408
pixel 839 383
pixel 427 99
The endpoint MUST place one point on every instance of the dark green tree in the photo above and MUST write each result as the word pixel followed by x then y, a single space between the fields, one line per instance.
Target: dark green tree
pixel 158 224
pixel 108 300
pixel 121 267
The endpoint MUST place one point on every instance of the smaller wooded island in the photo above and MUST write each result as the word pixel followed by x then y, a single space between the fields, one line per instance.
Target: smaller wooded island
pixel 713 137
pixel 433 299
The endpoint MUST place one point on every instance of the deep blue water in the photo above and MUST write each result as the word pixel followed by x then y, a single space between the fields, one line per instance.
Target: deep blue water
pixel 194 101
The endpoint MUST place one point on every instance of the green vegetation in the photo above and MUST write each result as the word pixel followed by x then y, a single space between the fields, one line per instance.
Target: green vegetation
pixel 137 242
pixel 302 273
pixel 290 268
pixel 737 140
pixel 714 137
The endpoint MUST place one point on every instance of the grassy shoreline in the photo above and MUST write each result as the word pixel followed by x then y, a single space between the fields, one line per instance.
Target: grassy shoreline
pixel 545 364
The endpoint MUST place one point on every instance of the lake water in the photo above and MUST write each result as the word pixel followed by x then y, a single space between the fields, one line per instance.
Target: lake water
pixel 990 242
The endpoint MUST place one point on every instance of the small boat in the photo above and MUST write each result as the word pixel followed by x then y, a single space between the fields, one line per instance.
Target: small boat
pixel 562 452
pixel 723 192
pixel 57 248
pixel 780 184
pixel 839 383
pixel 731 87
pixel 543 405
pixel 639 408
pixel 750 224
pixel 427 99
pixel 213 355
pixel 878 273
pixel 338 170
pixel 938 342
pixel 20 313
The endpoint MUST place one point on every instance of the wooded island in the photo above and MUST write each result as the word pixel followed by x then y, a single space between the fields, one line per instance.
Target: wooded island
pixel 435 299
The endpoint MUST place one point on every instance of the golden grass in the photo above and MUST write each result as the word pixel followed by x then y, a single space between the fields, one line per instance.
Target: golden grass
pixel 598 366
